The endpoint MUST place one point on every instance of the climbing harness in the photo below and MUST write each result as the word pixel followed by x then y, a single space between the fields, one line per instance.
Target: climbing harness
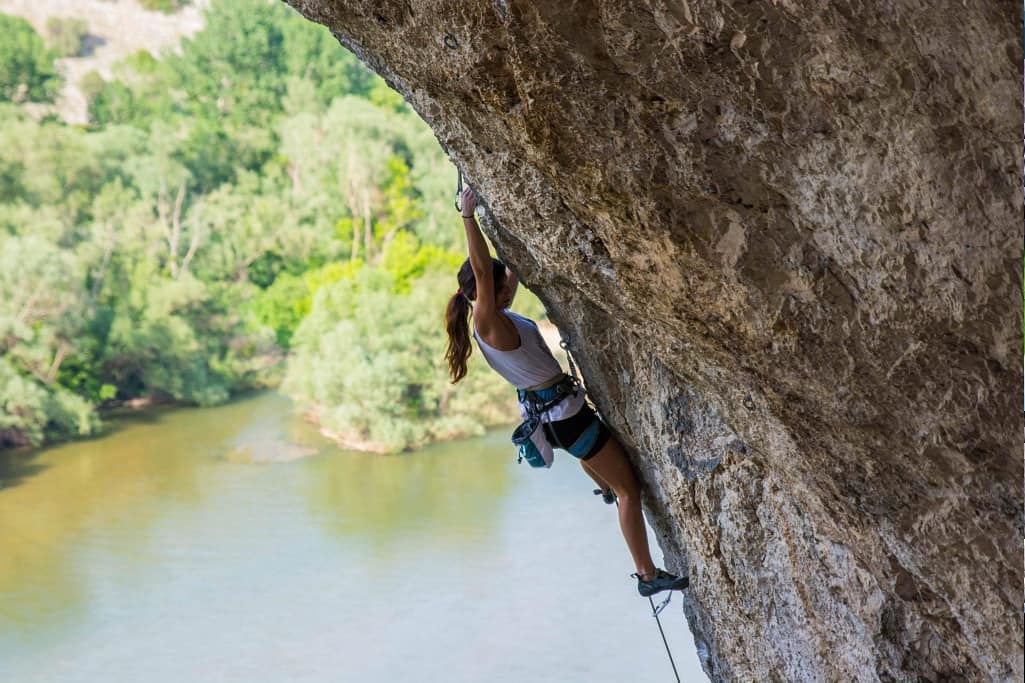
pixel 536 405
pixel 526 437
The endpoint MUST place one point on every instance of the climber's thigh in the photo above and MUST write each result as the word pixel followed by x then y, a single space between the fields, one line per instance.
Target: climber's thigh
pixel 611 464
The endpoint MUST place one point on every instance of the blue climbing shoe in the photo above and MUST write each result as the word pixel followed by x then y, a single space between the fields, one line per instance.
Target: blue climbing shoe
pixel 662 581
pixel 608 496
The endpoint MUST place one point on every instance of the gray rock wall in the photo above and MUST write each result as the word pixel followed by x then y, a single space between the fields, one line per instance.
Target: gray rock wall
pixel 786 239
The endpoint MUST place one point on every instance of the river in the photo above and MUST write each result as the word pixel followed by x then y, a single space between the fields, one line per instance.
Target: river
pixel 236 544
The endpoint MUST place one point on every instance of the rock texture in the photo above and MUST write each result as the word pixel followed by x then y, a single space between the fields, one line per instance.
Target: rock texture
pixel 786 238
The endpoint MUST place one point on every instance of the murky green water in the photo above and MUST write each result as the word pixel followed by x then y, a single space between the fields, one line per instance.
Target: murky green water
pixel 235 544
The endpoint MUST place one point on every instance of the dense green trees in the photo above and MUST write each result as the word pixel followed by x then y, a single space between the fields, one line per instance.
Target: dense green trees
pixel 27 73
pixel 256 197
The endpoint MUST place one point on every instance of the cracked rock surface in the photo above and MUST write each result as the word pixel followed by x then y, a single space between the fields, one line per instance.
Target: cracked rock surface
pixel 786 239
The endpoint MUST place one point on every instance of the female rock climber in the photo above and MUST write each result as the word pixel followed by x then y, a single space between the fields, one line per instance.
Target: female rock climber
pixel 513 347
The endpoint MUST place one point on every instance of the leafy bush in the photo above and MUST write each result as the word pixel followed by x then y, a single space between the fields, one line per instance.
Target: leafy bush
pixel 27 73
pixel 109 103
pixel 22 408
pixel 30 412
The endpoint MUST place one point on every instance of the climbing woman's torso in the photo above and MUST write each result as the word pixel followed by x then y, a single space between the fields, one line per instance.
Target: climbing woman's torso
pixel 528 365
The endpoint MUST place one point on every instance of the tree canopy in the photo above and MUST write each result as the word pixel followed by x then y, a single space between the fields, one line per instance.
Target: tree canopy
pixel 27 72
pixel 253 206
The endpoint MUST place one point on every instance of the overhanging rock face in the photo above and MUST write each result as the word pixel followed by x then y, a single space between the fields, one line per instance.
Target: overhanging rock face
pixel 786 239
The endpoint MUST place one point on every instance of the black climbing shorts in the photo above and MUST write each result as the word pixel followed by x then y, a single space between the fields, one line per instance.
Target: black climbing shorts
pixel 582 434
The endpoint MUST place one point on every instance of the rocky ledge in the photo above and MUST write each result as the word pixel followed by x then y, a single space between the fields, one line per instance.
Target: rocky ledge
pixel 786 239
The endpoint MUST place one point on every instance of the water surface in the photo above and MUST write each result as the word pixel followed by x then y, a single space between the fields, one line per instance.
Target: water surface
pixel 236 544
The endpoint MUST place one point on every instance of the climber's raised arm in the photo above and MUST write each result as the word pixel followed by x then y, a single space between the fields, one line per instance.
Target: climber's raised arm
pixel 480 256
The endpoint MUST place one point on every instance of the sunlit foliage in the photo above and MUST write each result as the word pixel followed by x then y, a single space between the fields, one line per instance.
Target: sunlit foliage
pixel 254 200
pixel 27 73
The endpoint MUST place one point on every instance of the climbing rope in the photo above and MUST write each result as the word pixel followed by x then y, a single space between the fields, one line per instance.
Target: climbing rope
pixel 655 612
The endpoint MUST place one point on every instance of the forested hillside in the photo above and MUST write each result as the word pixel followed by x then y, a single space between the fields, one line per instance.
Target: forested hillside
pixel 255 206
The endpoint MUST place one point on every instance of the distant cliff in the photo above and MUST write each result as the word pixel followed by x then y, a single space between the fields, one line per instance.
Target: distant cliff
pixel 788 246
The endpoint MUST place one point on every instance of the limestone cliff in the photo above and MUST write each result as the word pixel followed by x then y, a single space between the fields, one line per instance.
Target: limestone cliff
pixel 786 238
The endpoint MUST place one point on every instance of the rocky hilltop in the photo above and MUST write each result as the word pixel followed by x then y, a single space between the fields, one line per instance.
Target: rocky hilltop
pixel 786 239
pixel 117 28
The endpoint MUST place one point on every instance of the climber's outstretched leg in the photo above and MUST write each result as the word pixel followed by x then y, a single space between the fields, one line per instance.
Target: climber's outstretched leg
pixel 610 464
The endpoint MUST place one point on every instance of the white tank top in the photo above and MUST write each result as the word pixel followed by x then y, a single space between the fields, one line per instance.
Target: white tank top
pixel 529 365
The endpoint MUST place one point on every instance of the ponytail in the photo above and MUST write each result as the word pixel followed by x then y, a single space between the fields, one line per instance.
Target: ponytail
pixel 458 311
pixel 459 347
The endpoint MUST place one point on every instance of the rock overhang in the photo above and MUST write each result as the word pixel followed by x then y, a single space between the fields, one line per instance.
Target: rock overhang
pixel 786 243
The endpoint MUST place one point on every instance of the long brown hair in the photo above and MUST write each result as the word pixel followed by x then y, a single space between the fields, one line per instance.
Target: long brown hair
pixel 458 310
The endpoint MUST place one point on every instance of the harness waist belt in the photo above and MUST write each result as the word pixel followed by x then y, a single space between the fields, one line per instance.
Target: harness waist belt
pixel 550 383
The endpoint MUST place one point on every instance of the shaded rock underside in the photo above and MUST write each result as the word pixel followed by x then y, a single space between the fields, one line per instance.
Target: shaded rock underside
pixel 786 239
